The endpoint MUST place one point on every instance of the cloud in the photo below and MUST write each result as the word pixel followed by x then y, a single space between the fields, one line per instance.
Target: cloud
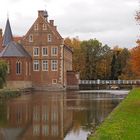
pixel 110 21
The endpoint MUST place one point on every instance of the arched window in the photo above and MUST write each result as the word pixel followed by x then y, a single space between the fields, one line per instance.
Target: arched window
pixel 18 67
pixel 8 67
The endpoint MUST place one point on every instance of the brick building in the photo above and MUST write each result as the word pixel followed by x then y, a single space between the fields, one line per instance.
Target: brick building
pixel 39 59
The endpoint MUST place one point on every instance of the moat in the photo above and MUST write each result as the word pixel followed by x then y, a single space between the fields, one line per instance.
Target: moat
pixel 56 115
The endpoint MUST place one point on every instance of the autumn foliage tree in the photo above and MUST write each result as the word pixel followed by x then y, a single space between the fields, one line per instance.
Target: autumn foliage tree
pixel 135 60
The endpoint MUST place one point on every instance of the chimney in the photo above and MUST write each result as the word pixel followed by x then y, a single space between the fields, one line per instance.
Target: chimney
pixel 40 13
pixel 55 27
pixel 52 22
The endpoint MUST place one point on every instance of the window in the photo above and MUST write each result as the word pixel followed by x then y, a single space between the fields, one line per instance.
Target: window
pixel 30 38
pixel 36 51
pixel 26 68
pixel 44 51
pixel 54 116
pixel 49 38
pixel 54 81
pixel 36 113
pixel 45 130
pixel 36 65
pixel 36 27
pixel 8 67
pixel 54 65
pixel 44 27
pixel 18 67
pixel 29 68
pixel 54 130
pixel 36 130
pixel 44 65
pixel 45 115
pixel 54 51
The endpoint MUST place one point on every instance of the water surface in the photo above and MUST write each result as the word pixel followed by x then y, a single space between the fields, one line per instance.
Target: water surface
pixel 55 115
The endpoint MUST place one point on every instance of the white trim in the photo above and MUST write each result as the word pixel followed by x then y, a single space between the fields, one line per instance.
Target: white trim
pixel 37 63
pixel 42 51
pixel 36 27
pixel 52 51
pixel 34 51
pixel 54 81
pixel 47 66
pixel 49 38
pixel 54 64
pixel 44 26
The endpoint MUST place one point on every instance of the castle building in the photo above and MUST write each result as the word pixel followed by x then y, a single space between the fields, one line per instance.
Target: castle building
pixel 39 59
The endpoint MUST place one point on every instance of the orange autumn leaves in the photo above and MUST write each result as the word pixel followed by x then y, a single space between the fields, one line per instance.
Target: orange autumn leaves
pixel 135 60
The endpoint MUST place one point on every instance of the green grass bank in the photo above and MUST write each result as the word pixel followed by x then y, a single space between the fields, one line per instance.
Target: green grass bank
pixel 124 122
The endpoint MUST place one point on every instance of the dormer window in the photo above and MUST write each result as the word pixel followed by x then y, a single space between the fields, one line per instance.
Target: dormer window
pixel 44 27
pixel 30 38
pixel 49 38
pixel 36 27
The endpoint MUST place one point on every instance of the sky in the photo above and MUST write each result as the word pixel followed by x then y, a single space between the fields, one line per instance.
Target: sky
pixel 112 22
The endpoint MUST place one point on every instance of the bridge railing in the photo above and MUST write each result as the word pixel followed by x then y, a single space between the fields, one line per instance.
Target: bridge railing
pixel 110 82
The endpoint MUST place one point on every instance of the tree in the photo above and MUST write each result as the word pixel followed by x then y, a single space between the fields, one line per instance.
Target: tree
pixel 3 73
pixel 119 61
pixel 95 55
pixel 135 60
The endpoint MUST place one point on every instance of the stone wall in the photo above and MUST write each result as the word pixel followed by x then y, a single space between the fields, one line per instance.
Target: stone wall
pixel 19 84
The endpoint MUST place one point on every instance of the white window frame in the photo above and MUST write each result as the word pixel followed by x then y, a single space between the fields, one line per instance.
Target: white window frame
pixel 54 81
pixel 35 63
pixel 36 27
pixel 45 51
pixel 46 65
pixel 44 27
pixel 54 65
pixel 49 37
pixel 54 51
pixel 31 38
pixel 36 53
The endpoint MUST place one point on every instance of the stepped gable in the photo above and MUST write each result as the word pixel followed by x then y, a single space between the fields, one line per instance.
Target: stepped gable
pixel 14 49
pixel 7 37
pixel 42 19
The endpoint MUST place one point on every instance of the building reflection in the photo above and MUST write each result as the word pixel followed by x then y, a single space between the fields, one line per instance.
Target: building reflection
pixel 52 116
pixel 40 118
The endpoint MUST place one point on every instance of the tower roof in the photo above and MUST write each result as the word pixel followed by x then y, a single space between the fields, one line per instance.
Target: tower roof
pixel 7 37
pixel 14 49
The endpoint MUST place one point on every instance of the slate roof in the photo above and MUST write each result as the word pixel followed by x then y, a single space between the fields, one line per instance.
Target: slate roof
pixel 14 49
pixel 7 37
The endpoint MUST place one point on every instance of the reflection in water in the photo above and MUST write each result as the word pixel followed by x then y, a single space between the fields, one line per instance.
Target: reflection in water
pixel 54 116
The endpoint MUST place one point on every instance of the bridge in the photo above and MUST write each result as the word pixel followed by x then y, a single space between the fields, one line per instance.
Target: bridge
pixel 107 84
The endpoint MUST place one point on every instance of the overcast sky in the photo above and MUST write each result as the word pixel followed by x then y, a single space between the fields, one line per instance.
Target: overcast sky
pixel 110 21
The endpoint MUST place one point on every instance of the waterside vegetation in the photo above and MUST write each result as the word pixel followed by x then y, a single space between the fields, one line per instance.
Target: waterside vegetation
pixel 9 93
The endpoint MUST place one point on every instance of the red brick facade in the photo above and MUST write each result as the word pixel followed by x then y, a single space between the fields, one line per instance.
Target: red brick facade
pixel 49 58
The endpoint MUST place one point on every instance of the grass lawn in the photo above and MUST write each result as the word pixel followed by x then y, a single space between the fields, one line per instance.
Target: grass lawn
pixel 124 122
